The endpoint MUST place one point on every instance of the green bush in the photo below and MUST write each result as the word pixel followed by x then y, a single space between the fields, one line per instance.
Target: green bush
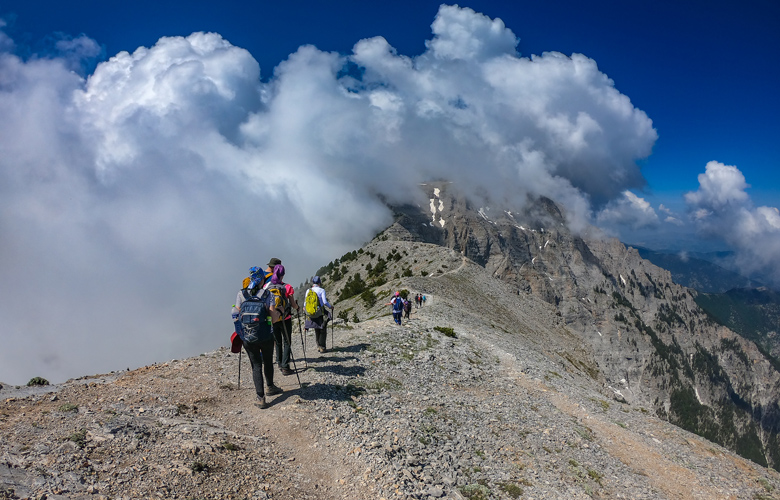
pixel 79 437
pixel 368 297
pixel 354 286
pixel 449 332
pixel 37 381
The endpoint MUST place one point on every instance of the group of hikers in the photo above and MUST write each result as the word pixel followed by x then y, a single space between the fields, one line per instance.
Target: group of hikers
pixel 402 307
pixel 262 316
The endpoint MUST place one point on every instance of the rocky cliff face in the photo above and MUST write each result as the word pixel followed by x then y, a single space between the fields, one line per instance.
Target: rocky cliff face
pixel 652 344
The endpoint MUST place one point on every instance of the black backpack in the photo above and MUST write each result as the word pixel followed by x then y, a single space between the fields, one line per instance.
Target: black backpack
pixel 255 318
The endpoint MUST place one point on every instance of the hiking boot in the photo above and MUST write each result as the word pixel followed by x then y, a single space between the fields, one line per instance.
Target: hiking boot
pixel 262 404
pixel 322 349
pixel 272 390
pixel 286 371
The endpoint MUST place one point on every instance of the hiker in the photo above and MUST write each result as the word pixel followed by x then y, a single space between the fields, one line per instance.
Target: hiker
pixel 283 319
pixel 318 320
pixel 257 336
pixel 423 300
pixel 269 270
pixel 417 300
pixel 407 308
pixel 397 303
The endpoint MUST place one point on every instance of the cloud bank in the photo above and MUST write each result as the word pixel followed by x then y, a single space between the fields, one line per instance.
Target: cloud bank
pixel 721 209
pixel 136 197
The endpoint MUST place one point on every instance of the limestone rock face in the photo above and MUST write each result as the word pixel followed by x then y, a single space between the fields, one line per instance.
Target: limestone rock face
pixel 651 342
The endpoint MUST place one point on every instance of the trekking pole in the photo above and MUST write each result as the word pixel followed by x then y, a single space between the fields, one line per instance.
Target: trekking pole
pixel 239 369
pixel 332 326
pixel 288 338
pixel 303 340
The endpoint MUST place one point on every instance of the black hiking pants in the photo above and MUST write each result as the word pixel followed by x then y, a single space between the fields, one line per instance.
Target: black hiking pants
pixel 261 357
pixel 283 342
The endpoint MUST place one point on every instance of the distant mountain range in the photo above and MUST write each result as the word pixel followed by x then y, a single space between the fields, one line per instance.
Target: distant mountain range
pixel 753 313
pixel 702 272
pixel 733 300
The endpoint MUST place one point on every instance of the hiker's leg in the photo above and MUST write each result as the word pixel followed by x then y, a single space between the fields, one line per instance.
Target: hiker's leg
pixel 279 347
pixel 287 333
pixel 267 350
pixel 256 361
pixel 320 334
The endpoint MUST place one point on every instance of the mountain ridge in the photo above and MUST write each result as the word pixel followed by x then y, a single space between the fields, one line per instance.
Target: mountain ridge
pixel 453 404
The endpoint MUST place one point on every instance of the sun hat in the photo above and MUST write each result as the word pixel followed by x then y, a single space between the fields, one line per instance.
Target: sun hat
pixel 316 280
pixel 274 262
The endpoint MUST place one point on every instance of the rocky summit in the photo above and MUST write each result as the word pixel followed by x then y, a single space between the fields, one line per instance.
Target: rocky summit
pixel 543 365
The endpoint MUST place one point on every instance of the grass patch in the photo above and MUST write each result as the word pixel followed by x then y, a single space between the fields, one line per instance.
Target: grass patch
pixel 476 492
pixel 447 331
pixel 595 475
pixel 584 433
pixel 227 445
pixel 511 489
pixel 79 437
pixel 198 466
pixel 69 407
pixel 380 385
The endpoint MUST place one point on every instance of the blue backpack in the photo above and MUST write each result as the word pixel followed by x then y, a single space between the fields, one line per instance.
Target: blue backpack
pixel 398 304
pixel 254 318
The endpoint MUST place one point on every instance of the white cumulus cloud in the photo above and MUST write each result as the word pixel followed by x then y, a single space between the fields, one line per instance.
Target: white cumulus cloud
pixel 723 210
pixel 629 210
pixel 136 197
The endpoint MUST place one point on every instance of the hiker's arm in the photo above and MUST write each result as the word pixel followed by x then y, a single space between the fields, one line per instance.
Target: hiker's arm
pixel 325 299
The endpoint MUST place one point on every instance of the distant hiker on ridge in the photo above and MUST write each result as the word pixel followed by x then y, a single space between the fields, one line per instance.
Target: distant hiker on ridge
pixel 251 315
pixel 397 303
pixel 317 316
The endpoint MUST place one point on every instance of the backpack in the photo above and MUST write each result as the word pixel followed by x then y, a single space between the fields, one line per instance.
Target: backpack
pixel 254 319
pixel 398 304
pixel 280 302
pixel 312 304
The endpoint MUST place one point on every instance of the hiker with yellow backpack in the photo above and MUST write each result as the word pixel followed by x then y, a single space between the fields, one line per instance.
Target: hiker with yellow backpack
pixel 317 316
pixel 281 316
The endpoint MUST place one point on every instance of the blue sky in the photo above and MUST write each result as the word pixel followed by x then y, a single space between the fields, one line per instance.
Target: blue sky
pixel 122 173
pixel 703 71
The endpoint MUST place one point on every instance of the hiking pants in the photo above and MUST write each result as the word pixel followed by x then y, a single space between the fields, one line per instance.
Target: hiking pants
pixel 397 316
pixel 283 342
pixel 321 335
pixel 261 357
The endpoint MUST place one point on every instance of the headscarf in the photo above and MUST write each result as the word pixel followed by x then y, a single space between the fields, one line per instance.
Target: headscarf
pixel 278 275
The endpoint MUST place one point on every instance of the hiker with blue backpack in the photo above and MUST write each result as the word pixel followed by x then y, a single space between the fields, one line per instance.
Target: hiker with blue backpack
pixel 397 305
pixel 317 316
pixel 252 320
